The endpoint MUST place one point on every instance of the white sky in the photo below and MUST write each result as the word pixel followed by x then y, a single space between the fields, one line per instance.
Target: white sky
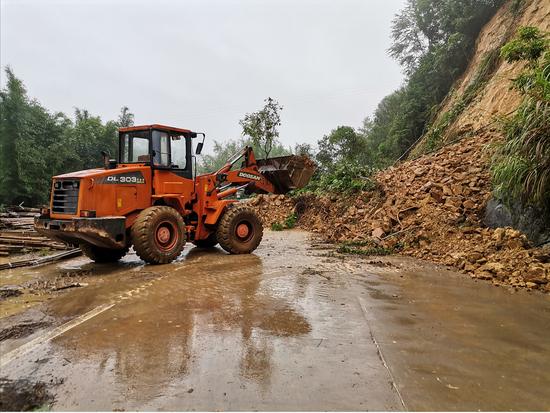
pixel 203 64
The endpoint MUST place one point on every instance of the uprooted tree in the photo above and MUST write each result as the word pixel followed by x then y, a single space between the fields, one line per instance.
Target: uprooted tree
pixel 262 126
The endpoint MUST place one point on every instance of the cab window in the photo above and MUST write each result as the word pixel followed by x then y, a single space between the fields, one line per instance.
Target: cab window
pixel 160 146
pixel 134 148
pixel 178 143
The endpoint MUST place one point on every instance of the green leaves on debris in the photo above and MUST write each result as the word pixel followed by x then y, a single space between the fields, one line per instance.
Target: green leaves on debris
pixel 288 223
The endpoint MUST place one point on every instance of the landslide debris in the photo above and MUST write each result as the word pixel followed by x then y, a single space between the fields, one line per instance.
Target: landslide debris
pixel 430 208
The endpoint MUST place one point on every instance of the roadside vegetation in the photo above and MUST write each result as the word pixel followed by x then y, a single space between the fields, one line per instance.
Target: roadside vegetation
pixel 521 167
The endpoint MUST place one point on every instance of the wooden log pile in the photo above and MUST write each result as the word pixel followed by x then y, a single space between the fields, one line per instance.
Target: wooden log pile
pixel 17 234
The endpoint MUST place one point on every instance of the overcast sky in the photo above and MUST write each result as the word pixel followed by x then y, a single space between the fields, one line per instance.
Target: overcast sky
pixel 203 64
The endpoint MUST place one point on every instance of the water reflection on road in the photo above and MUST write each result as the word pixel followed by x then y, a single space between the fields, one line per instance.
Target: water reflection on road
pixel 291 327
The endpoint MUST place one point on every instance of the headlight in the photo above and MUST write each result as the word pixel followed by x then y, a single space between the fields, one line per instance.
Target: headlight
pixel 57 185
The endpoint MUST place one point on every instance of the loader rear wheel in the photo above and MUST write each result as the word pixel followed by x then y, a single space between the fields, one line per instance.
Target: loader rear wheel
pixel 158 234
pixel 239 230
pixel 101 255
pixel 209 242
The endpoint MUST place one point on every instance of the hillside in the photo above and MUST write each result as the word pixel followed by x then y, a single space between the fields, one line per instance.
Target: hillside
pixel 483 92
pixel 433 205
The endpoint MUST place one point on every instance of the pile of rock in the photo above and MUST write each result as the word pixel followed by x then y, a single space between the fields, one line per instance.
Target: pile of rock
pixel 430 208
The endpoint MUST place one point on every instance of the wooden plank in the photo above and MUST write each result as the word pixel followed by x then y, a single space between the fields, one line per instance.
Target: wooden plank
pixel 40 261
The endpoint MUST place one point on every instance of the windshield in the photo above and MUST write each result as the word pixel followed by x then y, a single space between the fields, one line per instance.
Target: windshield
pixel 134 147
pixel 169 150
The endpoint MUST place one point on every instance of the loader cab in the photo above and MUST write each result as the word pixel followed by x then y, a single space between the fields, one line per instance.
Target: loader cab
pixel 161 147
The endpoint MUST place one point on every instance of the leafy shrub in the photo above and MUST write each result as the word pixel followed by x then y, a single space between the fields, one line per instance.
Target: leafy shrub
pixel 521 166
pixel 344 177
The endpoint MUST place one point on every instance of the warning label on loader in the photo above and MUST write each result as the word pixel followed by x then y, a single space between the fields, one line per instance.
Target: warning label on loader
pixel 125 178
pixel 249 176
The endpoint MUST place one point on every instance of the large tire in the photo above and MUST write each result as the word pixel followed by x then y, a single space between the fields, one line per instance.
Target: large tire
pixel 239 230
pixel 102 255
pixel 158 235
pixel 209 242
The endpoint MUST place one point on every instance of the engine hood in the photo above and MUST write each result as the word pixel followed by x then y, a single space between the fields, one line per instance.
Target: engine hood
pixel 86 173
pixel 99 172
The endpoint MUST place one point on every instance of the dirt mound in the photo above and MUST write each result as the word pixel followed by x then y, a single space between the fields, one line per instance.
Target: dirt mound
pixel 23 395
pixel 430 208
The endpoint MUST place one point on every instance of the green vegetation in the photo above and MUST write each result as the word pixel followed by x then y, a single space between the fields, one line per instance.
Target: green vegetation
pixel 288 223
pixel 521 166
pixel 277 226
pixel 262 126
pixel 36 144
pixel 433 40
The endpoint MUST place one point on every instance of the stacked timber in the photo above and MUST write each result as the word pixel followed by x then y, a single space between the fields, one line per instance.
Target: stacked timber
pixel 17 234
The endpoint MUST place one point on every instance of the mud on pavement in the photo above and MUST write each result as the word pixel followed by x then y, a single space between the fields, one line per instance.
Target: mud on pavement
pixel 24 395
pixel 293 326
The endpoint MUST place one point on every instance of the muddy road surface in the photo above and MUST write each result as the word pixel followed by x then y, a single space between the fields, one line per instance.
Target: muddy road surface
pixel 291 327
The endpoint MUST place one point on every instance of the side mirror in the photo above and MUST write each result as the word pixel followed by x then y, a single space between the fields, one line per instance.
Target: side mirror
pixel 199 148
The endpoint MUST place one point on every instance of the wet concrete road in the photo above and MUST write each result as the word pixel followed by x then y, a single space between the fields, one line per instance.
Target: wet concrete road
pixel 291 327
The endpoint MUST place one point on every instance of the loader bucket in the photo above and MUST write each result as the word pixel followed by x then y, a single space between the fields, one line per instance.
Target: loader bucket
pixel 287 172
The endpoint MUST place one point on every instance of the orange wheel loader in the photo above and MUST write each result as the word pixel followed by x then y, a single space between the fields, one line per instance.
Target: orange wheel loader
pixel 151 198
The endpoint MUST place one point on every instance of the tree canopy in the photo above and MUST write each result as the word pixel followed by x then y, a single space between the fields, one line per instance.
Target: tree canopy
pixel 36 144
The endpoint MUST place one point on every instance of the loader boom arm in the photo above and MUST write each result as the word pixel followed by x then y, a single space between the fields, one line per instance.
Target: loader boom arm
pixel 248 176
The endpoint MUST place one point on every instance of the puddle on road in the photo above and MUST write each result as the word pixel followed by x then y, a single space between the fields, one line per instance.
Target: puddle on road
pixel 214 331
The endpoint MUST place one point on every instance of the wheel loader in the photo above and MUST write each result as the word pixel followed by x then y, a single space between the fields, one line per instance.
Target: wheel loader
pixel 152 199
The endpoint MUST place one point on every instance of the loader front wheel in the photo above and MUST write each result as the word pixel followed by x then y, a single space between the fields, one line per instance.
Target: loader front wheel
pixel 102 255
pixel 240 230
pixel 158 234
